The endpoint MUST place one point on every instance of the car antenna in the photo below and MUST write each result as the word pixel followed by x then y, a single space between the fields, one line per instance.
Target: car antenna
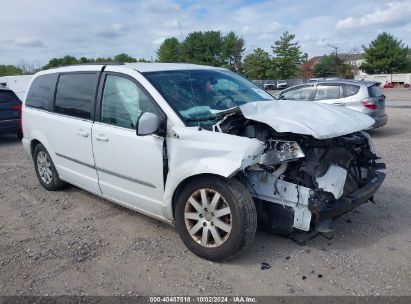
pixel 188 69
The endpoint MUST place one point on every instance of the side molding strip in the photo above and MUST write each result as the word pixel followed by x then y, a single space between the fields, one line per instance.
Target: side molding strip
pixel 75 160
pixel 126 177
pixel 107 171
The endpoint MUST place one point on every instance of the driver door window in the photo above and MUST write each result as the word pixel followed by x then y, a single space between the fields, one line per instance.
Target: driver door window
pixel 123 102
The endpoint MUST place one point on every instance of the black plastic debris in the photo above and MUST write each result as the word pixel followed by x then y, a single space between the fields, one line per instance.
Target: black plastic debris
pixel 320 276
pixel 265 266
pixel 303 277
pixel 288 257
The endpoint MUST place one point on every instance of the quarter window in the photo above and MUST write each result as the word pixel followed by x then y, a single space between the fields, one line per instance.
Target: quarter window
pixel 350 90
pixel 75 94
pixel 324 92
pixel 41 92
pixel 123 102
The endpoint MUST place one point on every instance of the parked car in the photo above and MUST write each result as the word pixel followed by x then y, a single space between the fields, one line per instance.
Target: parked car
pixel 358 95
pixel 259 83
pixel 388 85
pixel 199 147
pixel 281 84
pixel 315 80
pixel 270 85
pixel 10 112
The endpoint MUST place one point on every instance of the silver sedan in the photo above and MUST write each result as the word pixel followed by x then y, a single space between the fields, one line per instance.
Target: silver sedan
pixel 361 96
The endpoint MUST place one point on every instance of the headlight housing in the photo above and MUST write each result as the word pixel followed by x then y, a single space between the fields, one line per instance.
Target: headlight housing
pixel 280 151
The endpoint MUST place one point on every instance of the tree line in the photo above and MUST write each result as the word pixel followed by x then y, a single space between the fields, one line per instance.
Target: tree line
pixel 385 54
pixel 24 67
pixel 213 48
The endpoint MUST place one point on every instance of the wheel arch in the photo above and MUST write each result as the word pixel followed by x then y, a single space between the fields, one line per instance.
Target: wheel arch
pixel 33 145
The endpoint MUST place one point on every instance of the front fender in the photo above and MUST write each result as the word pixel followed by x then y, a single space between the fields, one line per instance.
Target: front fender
pixel 193 152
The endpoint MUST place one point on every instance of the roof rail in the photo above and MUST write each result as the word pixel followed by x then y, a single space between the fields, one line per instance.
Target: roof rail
pixel 97 63
pixel 88 63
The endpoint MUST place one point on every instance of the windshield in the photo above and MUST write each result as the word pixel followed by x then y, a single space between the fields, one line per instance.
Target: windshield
pixel 199 95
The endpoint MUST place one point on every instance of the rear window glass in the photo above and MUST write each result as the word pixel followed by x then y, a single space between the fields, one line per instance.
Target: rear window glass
pixel 41 91
pixel 75 94
pixel 324 92
pixel 8 97
pixel 350 89
pixel 374 91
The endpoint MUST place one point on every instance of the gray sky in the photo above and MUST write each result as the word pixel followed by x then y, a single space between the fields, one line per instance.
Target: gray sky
pixel 38 30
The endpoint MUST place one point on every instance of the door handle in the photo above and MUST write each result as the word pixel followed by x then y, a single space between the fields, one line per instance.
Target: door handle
pixel 101 137
pixel 83 133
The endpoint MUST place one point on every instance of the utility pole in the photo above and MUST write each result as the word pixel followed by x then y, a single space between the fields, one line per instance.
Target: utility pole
pixel 335 63
pixel 305 56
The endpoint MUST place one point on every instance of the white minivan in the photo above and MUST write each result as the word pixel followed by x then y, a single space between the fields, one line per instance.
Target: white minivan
pixel 199 147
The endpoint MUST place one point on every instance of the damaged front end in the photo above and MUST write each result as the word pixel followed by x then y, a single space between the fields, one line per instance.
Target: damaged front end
pixel 302 182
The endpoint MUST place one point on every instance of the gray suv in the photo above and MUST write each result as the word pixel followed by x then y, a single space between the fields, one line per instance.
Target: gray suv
pixel 361 96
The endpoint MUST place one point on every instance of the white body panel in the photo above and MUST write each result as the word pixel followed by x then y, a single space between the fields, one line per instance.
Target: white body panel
pixel 66 139
pixel 129 167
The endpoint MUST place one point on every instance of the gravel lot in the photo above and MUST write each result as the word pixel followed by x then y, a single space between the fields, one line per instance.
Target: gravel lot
pixel 72 242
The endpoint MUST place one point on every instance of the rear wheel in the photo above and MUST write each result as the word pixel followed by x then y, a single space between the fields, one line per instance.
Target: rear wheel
pixel 215 217
pixel 45 170
pixel 19 134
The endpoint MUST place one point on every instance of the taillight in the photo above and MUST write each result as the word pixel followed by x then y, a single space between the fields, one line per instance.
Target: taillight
pixel 16 107
pixel 369 103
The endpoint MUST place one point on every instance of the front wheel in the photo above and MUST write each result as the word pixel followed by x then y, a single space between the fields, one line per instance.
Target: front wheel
pixel 215 217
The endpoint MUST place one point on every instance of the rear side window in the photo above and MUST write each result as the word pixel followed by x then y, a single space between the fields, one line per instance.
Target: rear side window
pixel 325 92
pixel 8 97
pixel 350 90
pixel 75 94
pixel 300 93
pixel 41 92
pixel 374 91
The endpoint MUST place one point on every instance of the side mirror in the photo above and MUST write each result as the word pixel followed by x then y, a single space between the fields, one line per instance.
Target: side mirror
pixel 148 123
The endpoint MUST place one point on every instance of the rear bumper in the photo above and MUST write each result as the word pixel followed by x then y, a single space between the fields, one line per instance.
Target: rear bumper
pixel 352 201
pixel 10 126
pixel 379 121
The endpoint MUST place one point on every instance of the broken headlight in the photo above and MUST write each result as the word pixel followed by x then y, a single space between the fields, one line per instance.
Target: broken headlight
pixel 280 151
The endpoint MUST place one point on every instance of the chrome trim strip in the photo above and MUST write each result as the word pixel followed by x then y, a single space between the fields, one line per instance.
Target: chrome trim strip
pixel 125 177
pixel 75 160
pixel 107 171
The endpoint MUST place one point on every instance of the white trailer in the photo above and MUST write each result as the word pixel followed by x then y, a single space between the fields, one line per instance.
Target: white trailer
pixel 400 79
pixel 18 84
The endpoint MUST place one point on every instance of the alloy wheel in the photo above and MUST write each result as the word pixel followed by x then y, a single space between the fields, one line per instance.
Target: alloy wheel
pixel 208 217
pixel 44 167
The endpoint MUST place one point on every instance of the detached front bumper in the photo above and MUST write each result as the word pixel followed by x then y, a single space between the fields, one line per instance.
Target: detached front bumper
pixel 333 209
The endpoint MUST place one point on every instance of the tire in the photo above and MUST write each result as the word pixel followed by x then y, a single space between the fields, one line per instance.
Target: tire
pixel 49 177
pixel 235 230
pixel 19 134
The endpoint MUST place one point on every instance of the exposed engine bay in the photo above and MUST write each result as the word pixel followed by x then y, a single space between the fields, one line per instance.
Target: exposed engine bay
pixel 301 182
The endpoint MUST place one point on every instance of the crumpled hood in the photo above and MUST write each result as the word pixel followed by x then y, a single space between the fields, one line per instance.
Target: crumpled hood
pixel 304 117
